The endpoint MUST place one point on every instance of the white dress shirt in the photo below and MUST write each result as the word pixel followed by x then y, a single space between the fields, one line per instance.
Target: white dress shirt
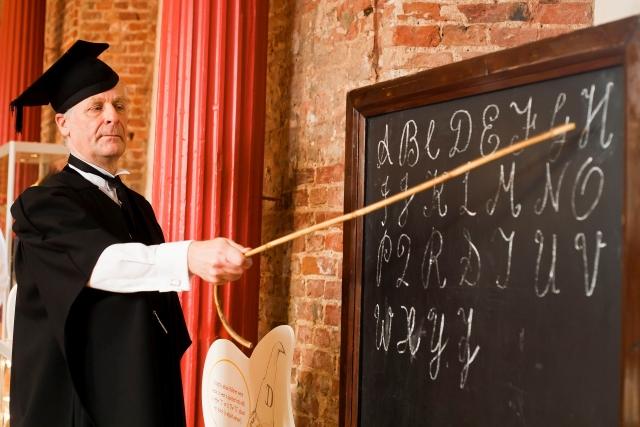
pixel 135 267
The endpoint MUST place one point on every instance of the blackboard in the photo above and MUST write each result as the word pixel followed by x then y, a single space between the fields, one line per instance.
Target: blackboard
pixel 497 298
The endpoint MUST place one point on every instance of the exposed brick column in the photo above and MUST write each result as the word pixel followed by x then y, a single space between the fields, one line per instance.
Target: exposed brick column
pixel 209 152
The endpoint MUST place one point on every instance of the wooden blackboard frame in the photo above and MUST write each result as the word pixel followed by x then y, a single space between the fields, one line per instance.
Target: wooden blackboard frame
pixel 614 44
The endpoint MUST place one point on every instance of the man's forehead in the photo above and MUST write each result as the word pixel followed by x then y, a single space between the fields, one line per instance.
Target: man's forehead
pixel 117 93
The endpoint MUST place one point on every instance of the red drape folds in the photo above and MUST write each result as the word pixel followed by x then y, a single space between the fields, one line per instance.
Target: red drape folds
pixel 22 47
pixel 22 51
pixel 208 156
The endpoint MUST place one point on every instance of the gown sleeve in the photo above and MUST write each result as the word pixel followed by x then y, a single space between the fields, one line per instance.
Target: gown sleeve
pixel 58 246
pixel 136 267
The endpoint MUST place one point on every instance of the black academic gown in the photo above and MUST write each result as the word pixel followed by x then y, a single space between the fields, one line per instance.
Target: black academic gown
pixel 84 357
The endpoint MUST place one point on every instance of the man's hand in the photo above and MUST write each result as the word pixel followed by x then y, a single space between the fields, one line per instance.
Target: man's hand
pixel 217 261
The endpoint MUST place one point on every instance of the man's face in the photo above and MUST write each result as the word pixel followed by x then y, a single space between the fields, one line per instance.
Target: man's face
pixel 96 127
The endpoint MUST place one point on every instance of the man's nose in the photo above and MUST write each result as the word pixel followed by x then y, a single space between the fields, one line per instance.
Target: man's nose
pixel 110 113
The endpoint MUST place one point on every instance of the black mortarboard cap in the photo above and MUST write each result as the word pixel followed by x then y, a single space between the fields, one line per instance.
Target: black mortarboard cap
pixel 77 75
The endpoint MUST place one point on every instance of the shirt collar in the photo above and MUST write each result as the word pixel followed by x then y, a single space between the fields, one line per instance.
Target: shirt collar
pixel 99 169
pixel 95 179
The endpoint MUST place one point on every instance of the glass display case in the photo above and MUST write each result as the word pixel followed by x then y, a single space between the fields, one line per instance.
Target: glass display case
pixel 22 164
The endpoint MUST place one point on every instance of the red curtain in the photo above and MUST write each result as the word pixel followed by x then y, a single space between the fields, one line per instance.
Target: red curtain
pixel 208 156
pixel 22 49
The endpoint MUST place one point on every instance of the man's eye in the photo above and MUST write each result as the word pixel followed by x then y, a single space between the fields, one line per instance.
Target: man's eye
pixel 120 107
pixel 96 107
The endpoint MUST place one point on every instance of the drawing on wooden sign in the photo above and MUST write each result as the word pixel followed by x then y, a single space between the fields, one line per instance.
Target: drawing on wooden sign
pixel 269 397
pixel 238 391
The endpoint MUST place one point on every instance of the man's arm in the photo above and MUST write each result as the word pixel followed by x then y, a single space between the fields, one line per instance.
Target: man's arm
pixel 135 267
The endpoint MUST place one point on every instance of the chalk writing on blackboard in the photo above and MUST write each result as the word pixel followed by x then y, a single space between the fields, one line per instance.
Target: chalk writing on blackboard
pixel 489 263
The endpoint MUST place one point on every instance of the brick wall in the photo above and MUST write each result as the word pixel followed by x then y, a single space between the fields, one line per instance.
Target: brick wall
pixel 129 26
pixel 318 50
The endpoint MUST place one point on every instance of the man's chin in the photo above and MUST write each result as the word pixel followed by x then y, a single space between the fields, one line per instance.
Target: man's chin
pixel 113 150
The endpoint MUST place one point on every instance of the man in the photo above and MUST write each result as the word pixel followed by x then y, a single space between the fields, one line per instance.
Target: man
pixel 99 331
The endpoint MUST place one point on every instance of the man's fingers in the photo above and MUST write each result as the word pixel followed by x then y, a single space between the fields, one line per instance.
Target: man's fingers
pixel 222 278
pixel 229 266
pixel 218 260
pixel 233 252
pixel 235 257
pixel 238 246
pixel 232 271
pixel 248 262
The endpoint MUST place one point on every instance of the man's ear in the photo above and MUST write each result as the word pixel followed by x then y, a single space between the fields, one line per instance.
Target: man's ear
pixel 61 122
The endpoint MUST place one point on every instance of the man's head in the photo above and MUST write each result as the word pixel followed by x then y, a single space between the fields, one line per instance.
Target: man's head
pixel 91 110
pixel 95 128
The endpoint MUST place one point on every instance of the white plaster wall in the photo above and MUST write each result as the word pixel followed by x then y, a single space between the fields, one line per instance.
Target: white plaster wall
pixel 610 10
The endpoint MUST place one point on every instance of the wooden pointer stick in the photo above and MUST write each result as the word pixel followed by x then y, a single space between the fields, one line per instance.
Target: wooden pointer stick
pixel 460 170
pixel 236 336
pixel 446 176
